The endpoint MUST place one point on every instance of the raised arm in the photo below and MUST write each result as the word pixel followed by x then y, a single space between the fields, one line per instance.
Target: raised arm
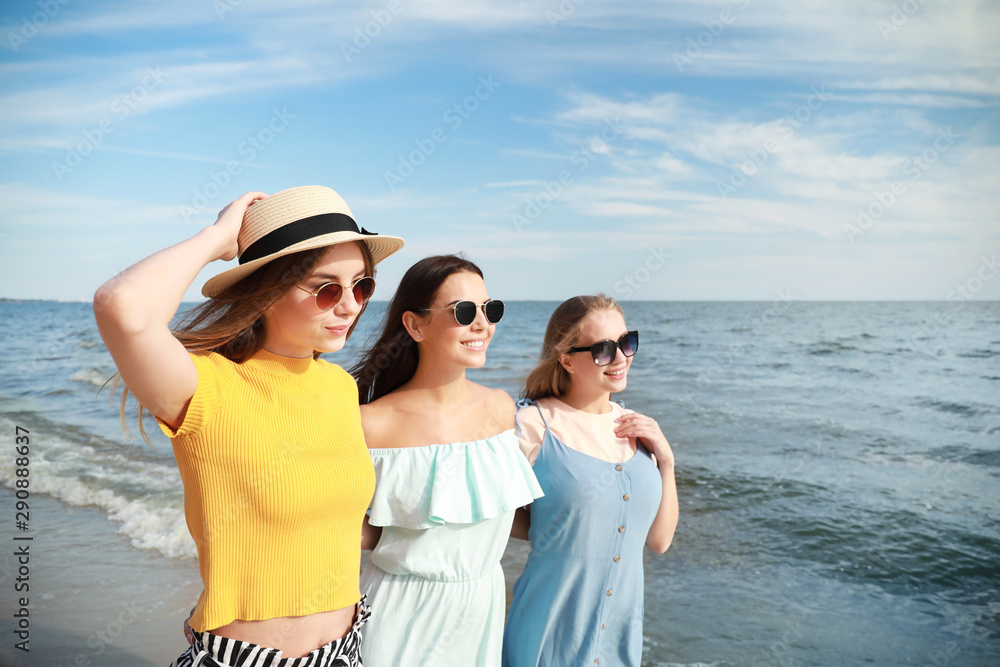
pixel 134 309
pixel 635 425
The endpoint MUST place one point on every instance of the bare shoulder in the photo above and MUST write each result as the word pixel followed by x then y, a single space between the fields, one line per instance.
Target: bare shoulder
pixel 378 422
pixel 499 405
pixel 499 399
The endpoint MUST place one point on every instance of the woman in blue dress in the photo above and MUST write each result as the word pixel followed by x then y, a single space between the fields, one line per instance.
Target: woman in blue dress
pixel 449 475
pixel 608 478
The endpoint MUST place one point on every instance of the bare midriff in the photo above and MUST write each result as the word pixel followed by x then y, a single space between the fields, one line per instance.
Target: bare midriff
pixel 294 636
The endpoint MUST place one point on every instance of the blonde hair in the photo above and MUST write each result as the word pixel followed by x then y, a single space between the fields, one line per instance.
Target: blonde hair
pixel 549 378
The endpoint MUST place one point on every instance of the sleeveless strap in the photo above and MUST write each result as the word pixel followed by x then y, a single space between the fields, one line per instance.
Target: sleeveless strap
pixel 523 403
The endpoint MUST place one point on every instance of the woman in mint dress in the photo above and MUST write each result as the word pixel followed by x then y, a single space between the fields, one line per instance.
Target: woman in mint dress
pixel 608 478
pixel 449 475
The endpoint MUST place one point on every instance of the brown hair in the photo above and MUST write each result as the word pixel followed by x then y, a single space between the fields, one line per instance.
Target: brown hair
pixel 549 378
pixel 393 360
pixel 232 322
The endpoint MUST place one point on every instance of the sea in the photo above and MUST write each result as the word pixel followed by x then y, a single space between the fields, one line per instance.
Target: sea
pixel 838 468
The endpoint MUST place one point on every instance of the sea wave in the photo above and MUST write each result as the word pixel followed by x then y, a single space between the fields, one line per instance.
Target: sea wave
pixel 824 348
pixel 89 376
pixel 961 409
pixel 978 354
pixel 143 496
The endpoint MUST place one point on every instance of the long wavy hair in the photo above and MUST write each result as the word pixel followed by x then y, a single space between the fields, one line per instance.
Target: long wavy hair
pixel 549 378
pixel 232 322
pixel 393 359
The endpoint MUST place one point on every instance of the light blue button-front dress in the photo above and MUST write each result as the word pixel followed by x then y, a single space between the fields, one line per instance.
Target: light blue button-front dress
pixel 579 600
pixel 434 580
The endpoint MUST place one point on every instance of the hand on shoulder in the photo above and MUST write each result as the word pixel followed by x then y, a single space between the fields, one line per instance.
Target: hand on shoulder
pixel 636 425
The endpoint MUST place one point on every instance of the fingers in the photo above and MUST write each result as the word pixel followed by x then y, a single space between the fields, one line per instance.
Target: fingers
pixel 634 420
pixel 635 425
pixel 188 632
pixel 252 196
pixel 244 201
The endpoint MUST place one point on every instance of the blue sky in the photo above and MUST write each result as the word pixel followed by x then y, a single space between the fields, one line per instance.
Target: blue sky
pixel 677 150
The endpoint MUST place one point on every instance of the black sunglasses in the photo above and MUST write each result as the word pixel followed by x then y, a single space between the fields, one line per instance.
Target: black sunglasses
pixel 465 311
pixel 330 294
pixel 605 351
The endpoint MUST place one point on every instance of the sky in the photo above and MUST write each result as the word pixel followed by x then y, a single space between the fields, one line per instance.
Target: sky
pixel 734 150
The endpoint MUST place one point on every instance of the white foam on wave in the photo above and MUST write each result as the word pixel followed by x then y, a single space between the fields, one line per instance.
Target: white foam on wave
pixel 90 376
pixel 82 476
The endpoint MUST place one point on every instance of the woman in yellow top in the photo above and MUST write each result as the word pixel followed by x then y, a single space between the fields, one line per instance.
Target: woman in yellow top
pixel 267 436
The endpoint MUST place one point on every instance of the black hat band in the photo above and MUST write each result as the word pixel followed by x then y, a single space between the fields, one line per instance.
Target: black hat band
pixel 298 231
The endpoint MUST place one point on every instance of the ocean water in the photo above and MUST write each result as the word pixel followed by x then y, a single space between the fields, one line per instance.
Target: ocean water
pixel 838 468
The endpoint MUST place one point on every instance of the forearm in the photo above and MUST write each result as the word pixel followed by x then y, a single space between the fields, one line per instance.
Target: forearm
pixel 661 534
pixel 521 525
pixel 370 535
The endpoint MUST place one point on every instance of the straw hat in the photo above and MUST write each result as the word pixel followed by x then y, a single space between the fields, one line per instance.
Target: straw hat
pixel 292 220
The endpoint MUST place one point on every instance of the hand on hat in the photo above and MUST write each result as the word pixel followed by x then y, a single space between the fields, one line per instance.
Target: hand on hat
pixel 230 221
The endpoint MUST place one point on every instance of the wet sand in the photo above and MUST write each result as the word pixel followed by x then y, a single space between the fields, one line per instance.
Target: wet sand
pixel 93 599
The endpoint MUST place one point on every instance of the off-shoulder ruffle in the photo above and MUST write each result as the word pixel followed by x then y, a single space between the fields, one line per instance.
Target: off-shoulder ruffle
pixel 465 482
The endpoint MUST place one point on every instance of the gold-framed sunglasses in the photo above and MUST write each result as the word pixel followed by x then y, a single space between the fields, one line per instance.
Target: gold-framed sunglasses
pixel 330 294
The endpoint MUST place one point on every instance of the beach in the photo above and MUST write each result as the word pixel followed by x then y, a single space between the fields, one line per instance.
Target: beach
pixel 837 467
pixel 94 599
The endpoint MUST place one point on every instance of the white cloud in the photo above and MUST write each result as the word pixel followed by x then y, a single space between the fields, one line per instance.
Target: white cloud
pixel 32 208
pixel 923 100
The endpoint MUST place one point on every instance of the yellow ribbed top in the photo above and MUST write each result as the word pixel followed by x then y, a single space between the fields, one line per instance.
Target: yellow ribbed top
pixel 277 479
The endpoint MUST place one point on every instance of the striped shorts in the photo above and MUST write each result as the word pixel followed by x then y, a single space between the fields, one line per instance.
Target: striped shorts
pixel 211 650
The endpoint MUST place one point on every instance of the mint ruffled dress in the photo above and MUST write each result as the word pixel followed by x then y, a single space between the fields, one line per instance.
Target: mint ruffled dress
pixel 434 580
